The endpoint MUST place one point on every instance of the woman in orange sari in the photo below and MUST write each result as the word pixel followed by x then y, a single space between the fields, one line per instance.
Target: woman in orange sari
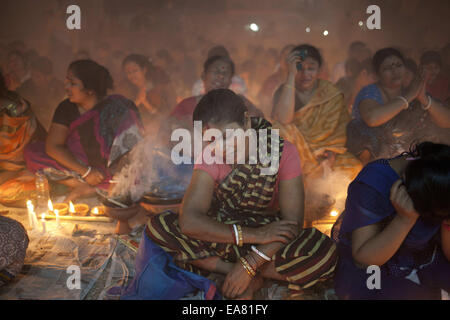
pixel 311 114
pixel 18 126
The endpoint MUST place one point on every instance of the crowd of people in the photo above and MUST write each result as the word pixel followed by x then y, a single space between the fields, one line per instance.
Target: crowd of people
pixel 379 120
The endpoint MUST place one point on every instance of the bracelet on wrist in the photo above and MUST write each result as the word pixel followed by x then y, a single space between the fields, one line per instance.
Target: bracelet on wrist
pixel 251 272
pixel 406 105
pixel 261 254
pixel 428 106
pixel 88 171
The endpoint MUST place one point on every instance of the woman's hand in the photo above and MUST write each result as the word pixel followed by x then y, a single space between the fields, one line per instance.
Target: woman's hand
pixel 236 281
pixel 414 89
pixel 292 60
pixel 422 95
pixel 402 202
pixel 94 177
pixel 279 231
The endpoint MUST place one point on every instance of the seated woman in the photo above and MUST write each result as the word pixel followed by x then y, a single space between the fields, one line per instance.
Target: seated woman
pixel 312 115
pixel 388 117
pixel 13 247
pixel 18 127
pixel 89 134
pixel 397 217
pixel 235 228
pixel 217 74
pixel 151 89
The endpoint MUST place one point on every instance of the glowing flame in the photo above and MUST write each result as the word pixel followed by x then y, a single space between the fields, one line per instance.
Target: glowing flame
pixel 30 206
pixel 43 216
pixel 56 212
pixel 95 210
pixel 71 207
pixel 334 213
pixel 50 205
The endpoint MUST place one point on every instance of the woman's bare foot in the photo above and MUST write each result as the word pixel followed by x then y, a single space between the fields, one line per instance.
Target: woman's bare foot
pixel 83 191
pixel 254 286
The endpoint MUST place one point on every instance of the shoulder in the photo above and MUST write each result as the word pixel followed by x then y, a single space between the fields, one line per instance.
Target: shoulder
pixel 290 163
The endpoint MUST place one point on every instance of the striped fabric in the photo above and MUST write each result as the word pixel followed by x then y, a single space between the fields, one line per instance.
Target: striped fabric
pixel 241 198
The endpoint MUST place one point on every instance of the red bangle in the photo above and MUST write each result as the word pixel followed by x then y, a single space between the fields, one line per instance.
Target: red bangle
pixel 446 226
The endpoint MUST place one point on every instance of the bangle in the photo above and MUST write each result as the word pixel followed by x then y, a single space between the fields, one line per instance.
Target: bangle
pixel 241 240
pixel 86 173
pixel 259 253
pixel 236 235
pixel 289 86
pixel 446 226
pixel 428 106
pixel 405 101
pixel 247 267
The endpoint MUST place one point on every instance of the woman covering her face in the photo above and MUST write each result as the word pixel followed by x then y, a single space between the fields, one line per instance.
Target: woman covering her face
pixel 397 218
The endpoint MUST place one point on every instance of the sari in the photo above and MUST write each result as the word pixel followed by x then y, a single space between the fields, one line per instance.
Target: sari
pixel 242 198
pixel 97 138
pixel 17 130
pixel 13 246
pixel 319 126
pixel 418 270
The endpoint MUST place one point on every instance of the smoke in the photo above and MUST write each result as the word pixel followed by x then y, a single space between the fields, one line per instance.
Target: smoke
pixel 150 170
pixel 326 193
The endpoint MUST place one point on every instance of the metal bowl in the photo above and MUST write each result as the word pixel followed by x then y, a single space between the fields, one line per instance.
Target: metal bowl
pixel 167 199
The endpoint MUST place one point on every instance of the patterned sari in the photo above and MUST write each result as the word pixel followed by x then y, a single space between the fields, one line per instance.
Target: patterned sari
pixel 242 197
pixel 13 246
pixel 97 138
pixel 320 126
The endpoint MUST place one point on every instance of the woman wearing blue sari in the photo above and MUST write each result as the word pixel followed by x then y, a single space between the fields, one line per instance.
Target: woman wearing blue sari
pixel 397 217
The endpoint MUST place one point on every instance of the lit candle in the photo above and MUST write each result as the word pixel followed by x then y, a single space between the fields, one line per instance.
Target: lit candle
pixel 30 209
pixel 44 227
pixel 71 208
pixel 58 225
pixel 50 206
pixel 34 219
pixel 334 213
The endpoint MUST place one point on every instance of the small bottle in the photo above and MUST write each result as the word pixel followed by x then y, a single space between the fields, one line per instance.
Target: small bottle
pixel 42 192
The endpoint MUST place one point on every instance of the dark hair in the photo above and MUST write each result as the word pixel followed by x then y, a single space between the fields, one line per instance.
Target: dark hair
pixel 356 44
pixel 218 51
pixel 427 180
pixel 43 65
pixel 382 55
pixel 220 106
pixel 431 57
pixel 311 52
pixel 211 60
pixel 153 73
pixel 411 65
pixel 5 93
pixel 93 76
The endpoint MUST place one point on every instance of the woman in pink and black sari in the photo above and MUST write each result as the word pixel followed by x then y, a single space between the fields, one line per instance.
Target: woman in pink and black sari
pixel 89 134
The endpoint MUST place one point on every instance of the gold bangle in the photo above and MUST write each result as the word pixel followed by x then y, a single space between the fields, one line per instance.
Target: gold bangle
pixel 289 86
pixel 247 267
pixel 241 239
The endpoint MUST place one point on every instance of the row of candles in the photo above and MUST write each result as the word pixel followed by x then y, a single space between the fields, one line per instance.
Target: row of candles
pixel 73 209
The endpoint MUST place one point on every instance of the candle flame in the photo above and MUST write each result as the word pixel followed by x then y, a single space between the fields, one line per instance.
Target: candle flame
pixel 95 210
pixel 30 206
pixel 71 207
pixel 56 212
pixel 43 216
pixel 334 213
pixel 50 205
